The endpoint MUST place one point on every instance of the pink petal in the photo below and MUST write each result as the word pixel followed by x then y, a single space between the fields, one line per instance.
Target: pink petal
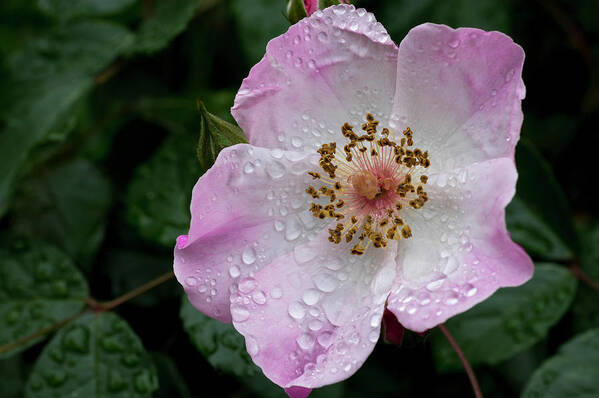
pixel 298 392
pixel 393 331
pixel 460 92
pixel 461 251
pixel 248 209
pixel 328 69
pixel 311 6
pixel 322 315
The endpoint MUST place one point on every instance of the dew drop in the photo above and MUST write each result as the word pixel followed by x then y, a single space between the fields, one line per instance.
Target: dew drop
pixel 191 281
pixel 252 345
pixel 315 325
pixel 325 339
pixel 293 230
pixel 248 168
pixel 279 225
pixel 246 285
pixel 275 169
pixel 305 341
pixel 455 43
pixel 296 310
pixel 326 282
pixel 239 314
pixel 248 256
pixel 234 271
pixel 311 296
pixel 259 297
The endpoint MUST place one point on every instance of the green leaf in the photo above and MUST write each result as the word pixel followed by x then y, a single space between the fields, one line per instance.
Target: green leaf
pixel 215 135
pixel 571 373
pixel 13 377
pixel 168 19
pixel 47 79
pixel 218 342
pixel 539 216
pixel 39 286
pixel 67 9
pixel 510 321
pixel 98 355
pixel 585 308
pixel 399 16
pixel 66 206
pixel 159 194
pixel 259 22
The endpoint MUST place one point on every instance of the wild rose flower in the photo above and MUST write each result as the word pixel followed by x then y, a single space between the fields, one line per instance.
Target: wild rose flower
pixel 376 177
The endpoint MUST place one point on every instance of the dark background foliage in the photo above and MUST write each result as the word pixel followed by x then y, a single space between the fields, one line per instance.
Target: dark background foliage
pixel 98 129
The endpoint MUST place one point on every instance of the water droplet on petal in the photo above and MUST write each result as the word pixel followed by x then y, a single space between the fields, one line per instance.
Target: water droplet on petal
pixel 305 341
pixel 296 310
pixel 326 282
pixel 249 255
pixel 247 285
pixel 311 296
pixel 239 314
pixel 234 271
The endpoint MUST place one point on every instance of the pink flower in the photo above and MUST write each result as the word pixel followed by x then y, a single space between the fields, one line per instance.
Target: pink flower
pixel 312 5
pixel 411 159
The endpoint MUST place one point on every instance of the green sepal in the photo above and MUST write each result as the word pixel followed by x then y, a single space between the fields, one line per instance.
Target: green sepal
pixel 296 10
pixel 322 4
pixel 215 135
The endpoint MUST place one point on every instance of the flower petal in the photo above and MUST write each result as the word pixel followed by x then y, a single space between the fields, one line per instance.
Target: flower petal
pixel 322 315
pixel 460 92
pixel 328 69
pixel 248 209
pixel 460 251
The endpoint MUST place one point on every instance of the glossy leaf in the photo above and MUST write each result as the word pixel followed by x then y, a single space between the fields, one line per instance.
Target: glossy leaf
pixel 254 36
pixel 167 20
pixel 66 206
pixel 47 79
pixel 67 9
pixel 218 342
pixel 539 216
pixel 160 192
pixel 510 321
pixel 97 355
pixel 571 373
pixel 39 286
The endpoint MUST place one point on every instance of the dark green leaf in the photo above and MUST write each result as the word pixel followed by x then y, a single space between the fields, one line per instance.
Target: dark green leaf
pixel 66 9
pixel 13 377
pixel 253 34
pixel 160 192
pixel 400 16
pixel 585 307
pixel 510 321
pixel 218 342
pixel 98 355
pixel 67 206
pixel 168 19
pixel 47 79
pixel 539 216
pixel 571 373
pixel 39 286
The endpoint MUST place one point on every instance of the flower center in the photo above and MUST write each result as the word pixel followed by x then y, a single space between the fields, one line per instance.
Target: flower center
pixel 367 185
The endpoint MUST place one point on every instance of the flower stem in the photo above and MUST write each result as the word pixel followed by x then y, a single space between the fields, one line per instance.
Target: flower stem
pixel 475 387
pixel 108 305
pixel 582 276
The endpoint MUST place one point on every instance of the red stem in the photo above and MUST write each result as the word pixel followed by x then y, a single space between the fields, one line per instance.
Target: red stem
pixel 475 387
pixel 582 276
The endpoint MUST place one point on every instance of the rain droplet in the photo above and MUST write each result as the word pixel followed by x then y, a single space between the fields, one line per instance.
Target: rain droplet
pixel 234 271
pixel 311 296
pixel 247 285
pixel 259 297
pixel 248 168
pixel 191 281
pixel 252 345
pixel 294 230
pixel 296 310
pixel 325 339
pixel 305 341
pixel 248 256
pixel 239 314
pixel 275 169
pixel 326 282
